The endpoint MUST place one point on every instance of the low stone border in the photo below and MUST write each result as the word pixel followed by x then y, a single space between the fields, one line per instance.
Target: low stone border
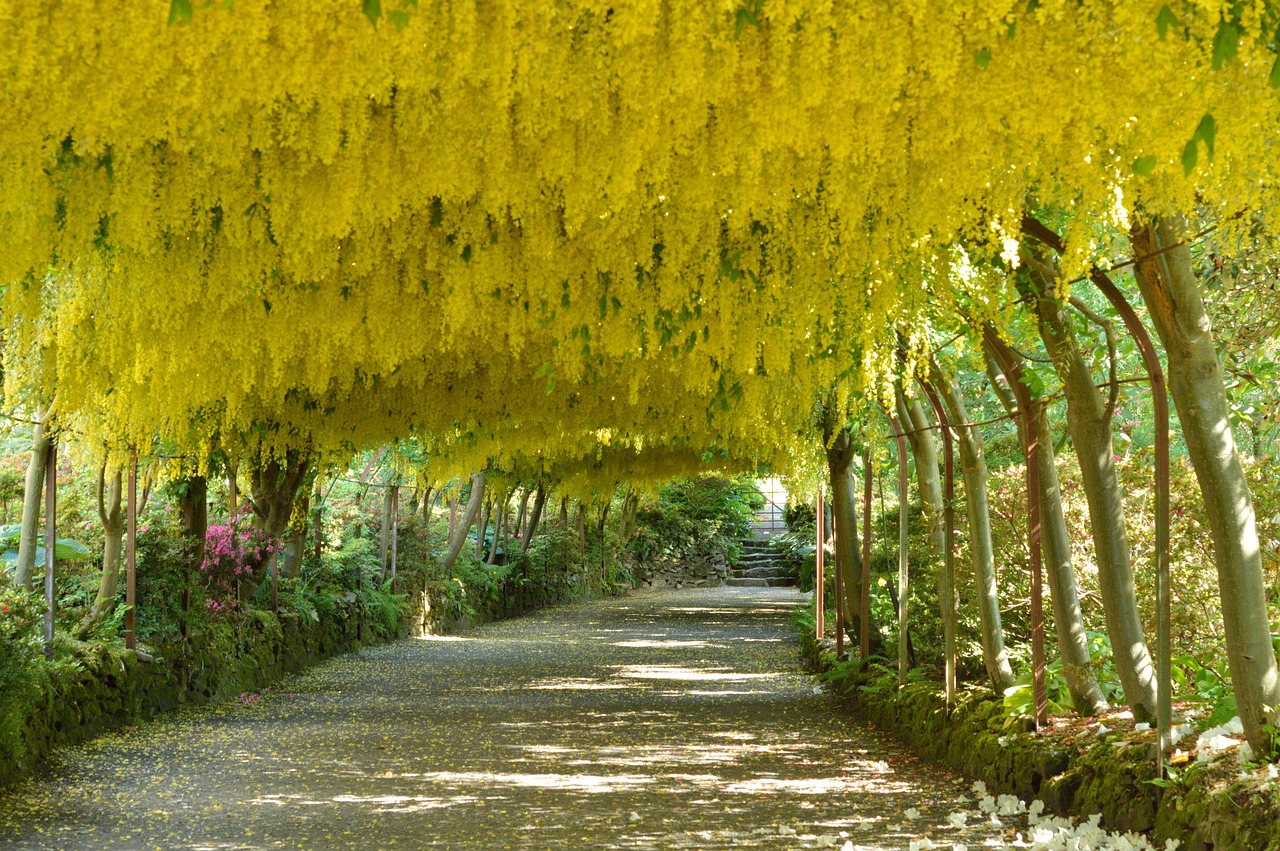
pixel 1219 807
pixel 111 687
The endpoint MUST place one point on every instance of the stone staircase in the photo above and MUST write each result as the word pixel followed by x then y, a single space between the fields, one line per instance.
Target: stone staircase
pixel 759 567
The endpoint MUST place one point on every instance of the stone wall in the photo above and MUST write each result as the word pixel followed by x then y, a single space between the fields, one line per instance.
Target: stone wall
pixel 1215 808
pixel 110 687
pixel 666 572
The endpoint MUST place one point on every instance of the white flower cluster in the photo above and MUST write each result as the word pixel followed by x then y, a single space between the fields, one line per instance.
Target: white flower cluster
pixel 1215 740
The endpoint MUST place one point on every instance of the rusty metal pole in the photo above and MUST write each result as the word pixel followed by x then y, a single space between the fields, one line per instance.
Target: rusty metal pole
pixel 948 542
pixel 50 538
pixel 904 575
pixel 1160 405
pixel 1029 411
pixel 864 606
pixel 819 580
pixel 131 559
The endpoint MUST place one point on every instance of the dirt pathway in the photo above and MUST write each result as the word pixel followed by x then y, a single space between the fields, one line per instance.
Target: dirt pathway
pixel 661 720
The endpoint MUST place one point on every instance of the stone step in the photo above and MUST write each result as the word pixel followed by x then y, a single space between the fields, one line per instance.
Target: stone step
pixel 763 572
pixel 782 582
pixel 762 558
pixel 737 582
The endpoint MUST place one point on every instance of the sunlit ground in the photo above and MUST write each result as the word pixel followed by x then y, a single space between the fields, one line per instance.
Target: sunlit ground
pixel 663 720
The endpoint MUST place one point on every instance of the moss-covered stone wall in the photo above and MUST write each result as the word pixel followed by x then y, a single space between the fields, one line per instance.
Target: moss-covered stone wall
pixel 108 687
pixel 1208 808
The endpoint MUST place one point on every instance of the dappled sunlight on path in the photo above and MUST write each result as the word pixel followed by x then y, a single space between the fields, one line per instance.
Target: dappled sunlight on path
pixel 660 720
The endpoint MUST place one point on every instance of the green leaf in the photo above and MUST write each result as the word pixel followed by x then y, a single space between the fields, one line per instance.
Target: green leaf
pixel 400 19
pixel 1205 131
pixel 373 11
pixel 179 12
pixel 1189 155
pixel 66 549
pixel 1164 20
pixel 1144 166
pixel 983 58
pixel 1225 42
pixel 1275 69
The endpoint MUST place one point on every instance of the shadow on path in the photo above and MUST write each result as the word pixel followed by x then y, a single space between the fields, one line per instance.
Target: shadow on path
pixel 661 720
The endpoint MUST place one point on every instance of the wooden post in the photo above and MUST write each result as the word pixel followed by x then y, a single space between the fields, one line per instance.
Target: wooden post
pixel 948 543
pixel 864 634
pixel 50 539
pixel 1029 411
pixel 1160 408
pixel 131 559
pixel 904 575
pixel 819 580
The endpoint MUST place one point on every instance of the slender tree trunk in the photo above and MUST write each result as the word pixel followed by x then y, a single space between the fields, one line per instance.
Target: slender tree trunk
pixel 523 515
pixel 1055 546
pixel 112 517
pixel 1089 423
pixel 482 531
pixel 1171 292
pixel 32 502
pixel 295 545
pixel 384 536
pixel 531 528
pixel 458 535
pixel 973 469
pixel 924 450
pixel 564 513
pixel 500 528
pixel 844 511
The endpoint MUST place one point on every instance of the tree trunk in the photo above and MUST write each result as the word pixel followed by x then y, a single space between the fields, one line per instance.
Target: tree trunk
pixel 1055 546
pixel 112 517
pixel 32 503
pixel 482 531
pixel 384 536
pixel 844 512
pixel 531 528
pixel 627 528
pixel 523 514
pixel 273 488
pixel 459 535
pixel 500 528
pixel 295 546
pixel 1089 423
pixel 973 469
pixel 924 449
pixel 193 505
pixel 1171 291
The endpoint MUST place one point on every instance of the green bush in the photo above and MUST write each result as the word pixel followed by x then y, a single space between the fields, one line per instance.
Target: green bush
pixel 21 666
pixel 697 519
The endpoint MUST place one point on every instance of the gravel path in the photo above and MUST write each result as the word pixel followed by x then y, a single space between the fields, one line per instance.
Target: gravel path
pixel 659 720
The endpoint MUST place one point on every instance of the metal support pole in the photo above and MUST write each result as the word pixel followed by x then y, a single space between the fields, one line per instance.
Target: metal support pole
pixel 131 559
pixel 864 607
pixel 904 575
pixel 50 538
pixel 819 580
pixel 948 543
pixel 1029 411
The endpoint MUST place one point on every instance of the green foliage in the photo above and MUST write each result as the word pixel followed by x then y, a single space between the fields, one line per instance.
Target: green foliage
pixel 1019 698
pixel 697 518
pixel 21 665
pixel 65 549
